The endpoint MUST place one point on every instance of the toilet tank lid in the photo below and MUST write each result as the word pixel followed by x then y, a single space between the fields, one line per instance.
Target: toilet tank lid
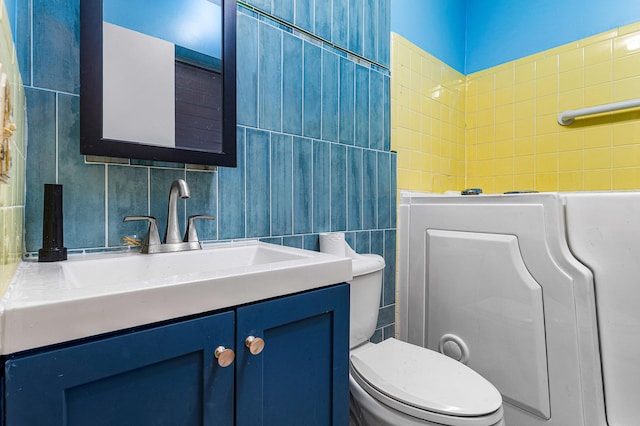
pixel 363 264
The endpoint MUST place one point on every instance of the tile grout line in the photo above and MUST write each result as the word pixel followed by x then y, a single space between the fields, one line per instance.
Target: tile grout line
pixel 311 179
pixel 281 82
pixel 57 145
pixel 270 191
pixel 258 82
pixel 30 41
pixel 184 203
pixel 293 217
pixel 244 171
pixel 217 198
pixel 330 189
pixel 149 191
pixel 106 205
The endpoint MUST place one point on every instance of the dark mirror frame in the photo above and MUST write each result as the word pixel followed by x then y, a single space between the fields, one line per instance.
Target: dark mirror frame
pixel 91 106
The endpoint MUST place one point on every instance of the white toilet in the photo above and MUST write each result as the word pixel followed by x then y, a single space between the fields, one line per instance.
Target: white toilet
pixel 395 383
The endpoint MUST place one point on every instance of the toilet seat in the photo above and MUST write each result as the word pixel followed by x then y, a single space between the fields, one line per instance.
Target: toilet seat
pixel 425 384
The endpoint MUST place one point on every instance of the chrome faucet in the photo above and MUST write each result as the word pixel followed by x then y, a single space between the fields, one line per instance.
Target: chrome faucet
pixel 172 240
pixel 178 188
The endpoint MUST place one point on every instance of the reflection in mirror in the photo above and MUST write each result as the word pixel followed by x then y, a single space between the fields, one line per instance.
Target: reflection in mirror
pixel 167 80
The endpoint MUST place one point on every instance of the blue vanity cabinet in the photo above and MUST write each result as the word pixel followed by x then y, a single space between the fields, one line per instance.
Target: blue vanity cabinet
pixel 160 376
pixel 168 375
pixel 301 377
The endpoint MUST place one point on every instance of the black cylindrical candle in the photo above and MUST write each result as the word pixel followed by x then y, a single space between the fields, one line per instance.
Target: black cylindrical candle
pixel 53 248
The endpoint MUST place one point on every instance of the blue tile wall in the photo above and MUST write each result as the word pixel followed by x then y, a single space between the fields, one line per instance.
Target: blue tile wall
pixel 338 189
pixel 313 137
pixel 363 242
pixel 125 188
pixel 258 183
pixel 302 185
pixel 312 90
pixel 272 240
pixel 362 107
pixel 304 14
pixel 384 29
pixel 284 9
pixel 22 36
pixel 354 188
pixel 377 242
pixel 247 54
pixel 389 281
pixel 265 5
pixel 393 182
pixel 360 26
pixel 384 190
pixel 321 186
pixel 311 242
pixel 291 84
pixel 282 184
pixel 270 72
pixel 203 201
pixel 292 241
pixel 323 22
pixel 356 9
pixel 231 193
pixel 350 238
pixel 386 111
pixel 41 160
pixel 376 111
pixel 370 190
pixel 330 95
pixel 370 41
pixel 347 101
pixel 83 184
pixel 340 31
pixel 56 28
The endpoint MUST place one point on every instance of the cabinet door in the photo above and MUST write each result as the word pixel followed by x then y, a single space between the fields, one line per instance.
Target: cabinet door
pixel 161 376
pixel 301 376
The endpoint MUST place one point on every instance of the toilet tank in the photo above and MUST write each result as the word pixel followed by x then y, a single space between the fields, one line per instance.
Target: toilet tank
pixel 366 288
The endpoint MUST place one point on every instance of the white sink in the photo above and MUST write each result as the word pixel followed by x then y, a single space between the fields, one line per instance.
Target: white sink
pixel 49 303
pixel 114 271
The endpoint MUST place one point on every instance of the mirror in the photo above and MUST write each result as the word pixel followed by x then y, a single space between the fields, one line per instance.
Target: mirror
pixel 157 80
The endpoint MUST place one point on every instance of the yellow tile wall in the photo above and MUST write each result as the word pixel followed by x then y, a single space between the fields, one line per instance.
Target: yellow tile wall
pixel 12 194
pixel 505 119
pixel 513 140
pixel 427 119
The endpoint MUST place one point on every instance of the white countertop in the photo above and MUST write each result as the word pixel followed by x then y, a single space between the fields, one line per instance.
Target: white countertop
pixel 90 294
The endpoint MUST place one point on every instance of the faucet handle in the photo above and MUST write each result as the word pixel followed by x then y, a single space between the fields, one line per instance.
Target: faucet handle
pixel 191 235
pixel 153 237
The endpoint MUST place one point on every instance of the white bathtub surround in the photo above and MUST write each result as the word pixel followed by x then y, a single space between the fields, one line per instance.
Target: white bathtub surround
pixel 495 271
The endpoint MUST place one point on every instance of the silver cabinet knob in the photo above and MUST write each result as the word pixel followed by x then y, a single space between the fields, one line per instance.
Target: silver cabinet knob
pixel 224 356
pixel 255 344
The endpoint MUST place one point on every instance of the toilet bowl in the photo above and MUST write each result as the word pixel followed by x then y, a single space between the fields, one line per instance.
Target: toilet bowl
pixel 395 383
